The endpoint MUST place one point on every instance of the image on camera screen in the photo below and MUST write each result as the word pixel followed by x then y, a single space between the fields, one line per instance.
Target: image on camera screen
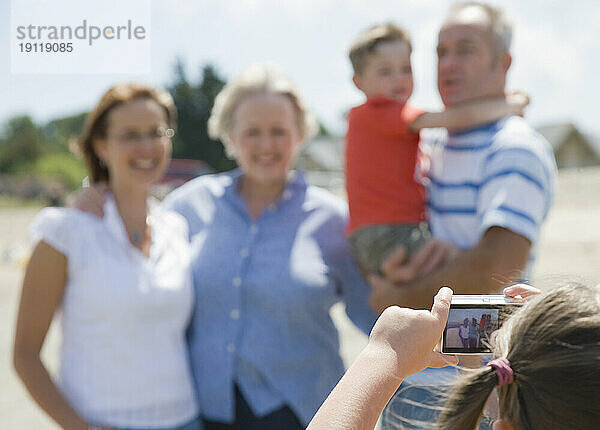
pixel 469 330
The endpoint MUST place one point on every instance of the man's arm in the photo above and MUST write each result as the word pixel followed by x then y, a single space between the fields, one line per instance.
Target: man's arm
pixel 473 113
pixel 498 259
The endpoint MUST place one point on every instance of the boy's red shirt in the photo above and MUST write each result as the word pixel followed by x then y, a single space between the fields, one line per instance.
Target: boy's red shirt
pixel 381 154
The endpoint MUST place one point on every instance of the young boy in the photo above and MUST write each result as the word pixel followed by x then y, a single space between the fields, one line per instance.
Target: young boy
pixel 387 205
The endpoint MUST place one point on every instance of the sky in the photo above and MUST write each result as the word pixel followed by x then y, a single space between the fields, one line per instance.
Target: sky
pixel 556 53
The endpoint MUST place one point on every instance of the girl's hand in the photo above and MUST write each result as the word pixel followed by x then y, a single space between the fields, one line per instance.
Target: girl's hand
pixel 412 335
pixel 431 255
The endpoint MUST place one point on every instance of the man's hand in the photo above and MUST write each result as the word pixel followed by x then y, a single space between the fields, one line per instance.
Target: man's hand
pixel 432 254
pixel 521 291
pixel 89 199
pixel 385 293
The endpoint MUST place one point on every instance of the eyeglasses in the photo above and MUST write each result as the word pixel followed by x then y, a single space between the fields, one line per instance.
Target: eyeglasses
pixel 135 138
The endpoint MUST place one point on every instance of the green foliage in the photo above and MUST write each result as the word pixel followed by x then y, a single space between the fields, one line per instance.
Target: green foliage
pixel 194 103
pixel 29 151
pixel 323 130
pixel 59 132
pixel 62 167
pixel 21 143
pixel 11 202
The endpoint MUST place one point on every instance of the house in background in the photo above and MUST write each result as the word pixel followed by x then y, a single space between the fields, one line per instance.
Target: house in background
pixel 572 149
pixel 322 159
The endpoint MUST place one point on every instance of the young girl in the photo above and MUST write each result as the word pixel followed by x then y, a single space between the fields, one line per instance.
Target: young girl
pixel 546 369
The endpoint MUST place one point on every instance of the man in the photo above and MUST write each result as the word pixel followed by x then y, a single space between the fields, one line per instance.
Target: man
pixel 489 191
pixel 489 188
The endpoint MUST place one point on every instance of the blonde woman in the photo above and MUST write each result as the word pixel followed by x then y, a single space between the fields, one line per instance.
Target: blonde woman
pixel 269 260
pixel 122 284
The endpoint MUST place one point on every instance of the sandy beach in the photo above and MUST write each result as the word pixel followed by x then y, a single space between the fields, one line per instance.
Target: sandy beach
pixel 569 249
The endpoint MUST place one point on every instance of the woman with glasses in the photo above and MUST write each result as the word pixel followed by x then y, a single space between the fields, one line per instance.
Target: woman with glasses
pixel 122 283
pixel 269 261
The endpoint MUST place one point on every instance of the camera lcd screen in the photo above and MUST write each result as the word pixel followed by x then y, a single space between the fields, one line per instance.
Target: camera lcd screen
pixel 469 327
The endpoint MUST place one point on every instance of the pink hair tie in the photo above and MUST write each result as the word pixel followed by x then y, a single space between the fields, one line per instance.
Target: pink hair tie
pixel 503 371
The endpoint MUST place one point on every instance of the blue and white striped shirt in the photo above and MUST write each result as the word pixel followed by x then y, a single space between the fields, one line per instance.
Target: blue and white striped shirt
pixel 264 289
pixel 500 174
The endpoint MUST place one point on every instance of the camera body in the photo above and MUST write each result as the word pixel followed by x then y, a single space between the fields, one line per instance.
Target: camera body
pixel 472 319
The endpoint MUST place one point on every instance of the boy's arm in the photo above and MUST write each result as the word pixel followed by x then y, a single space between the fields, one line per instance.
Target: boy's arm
pixel 472 113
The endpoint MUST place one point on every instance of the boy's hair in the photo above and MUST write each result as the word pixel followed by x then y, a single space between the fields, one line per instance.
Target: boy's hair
pixel 553 345
pixel 367 42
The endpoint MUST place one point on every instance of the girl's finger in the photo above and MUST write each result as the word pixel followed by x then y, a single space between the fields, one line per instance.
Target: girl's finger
pixel 441 305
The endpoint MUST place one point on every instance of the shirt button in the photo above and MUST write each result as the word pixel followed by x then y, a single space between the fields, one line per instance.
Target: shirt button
pixel 253 229
pixel 230 347
pixel 234 314
pixel 237 281
pixel 244 252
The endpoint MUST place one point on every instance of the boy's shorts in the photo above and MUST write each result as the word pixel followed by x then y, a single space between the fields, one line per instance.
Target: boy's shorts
pixel 373 243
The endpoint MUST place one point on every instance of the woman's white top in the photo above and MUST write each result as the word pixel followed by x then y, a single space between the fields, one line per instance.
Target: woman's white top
pixel 124 359
pixel 464 331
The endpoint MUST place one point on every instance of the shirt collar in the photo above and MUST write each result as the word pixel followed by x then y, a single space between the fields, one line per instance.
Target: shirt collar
pixel 114 223
pixel 383 101
pixel 296 183
pixel 488 127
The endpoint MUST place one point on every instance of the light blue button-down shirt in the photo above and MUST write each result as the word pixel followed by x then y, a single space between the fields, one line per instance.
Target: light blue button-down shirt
pixel 264 289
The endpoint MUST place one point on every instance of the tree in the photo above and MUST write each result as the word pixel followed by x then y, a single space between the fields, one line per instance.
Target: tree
pixel 59 132
pixel 194 104
pixel 22 143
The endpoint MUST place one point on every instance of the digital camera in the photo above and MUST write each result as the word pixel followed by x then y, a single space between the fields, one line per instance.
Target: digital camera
pixel 472 319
